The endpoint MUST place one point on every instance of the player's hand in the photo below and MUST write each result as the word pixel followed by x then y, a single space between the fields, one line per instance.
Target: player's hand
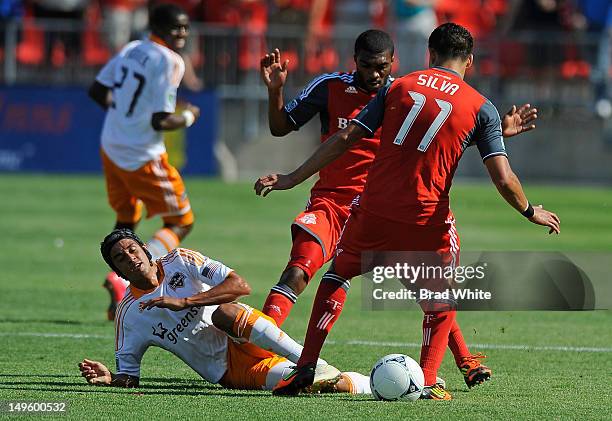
pixel 174 304
pixel 194 109
pixel 95 372
pixel 517 121
pixel 273 72
pixel 265 185
pixel 547 219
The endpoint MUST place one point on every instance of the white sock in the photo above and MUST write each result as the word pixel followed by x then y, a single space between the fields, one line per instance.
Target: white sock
pixel 276 373
pixel 268 336
pixel 359 383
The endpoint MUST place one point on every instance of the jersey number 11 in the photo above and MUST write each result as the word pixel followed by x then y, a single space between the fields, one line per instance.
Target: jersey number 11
pixel 419 102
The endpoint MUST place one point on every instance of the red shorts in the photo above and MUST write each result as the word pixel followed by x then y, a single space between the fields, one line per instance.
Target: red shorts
pixel 315 233
pixel 365 232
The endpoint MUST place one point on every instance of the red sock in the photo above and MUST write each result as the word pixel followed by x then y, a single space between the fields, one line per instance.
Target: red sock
pixel 436 330
pixel 278 306
pixel 457 344
pixel 326 309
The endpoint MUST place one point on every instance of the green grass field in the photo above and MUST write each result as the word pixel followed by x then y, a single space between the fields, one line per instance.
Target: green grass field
pixel 53 309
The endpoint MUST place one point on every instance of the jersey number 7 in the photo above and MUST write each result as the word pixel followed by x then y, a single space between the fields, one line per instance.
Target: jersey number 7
pixel 141 82
pixel 419 102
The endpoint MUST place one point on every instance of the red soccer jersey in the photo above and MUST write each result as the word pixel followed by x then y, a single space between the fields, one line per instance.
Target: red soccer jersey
pixel 337 99
pixel 428 118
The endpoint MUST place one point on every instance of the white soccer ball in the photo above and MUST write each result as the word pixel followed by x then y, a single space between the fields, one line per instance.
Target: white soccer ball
pixel 397 377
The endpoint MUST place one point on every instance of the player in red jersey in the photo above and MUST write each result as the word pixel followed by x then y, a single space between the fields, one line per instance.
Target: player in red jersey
pixel 337 98
pixel 428 118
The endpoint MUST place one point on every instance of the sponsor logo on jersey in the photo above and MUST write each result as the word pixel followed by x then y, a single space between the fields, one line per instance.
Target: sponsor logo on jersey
pixel 177 281
pixel 342 123
pixel 351 90
pixel 164 333
pixel 308 219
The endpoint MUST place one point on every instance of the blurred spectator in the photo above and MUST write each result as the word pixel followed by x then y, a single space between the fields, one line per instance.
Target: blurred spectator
pixel 124 20
pixel 331 31
pixel 598 14
pixel 293 13
pixel 249 20
pixel 67 41
pixel 414 22
pixel 478 16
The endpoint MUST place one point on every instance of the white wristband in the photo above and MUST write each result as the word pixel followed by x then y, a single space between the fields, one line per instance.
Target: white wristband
pixel 189 117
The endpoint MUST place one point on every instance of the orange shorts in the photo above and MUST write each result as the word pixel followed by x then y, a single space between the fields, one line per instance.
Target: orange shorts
pixel 247 366
pixel 157 184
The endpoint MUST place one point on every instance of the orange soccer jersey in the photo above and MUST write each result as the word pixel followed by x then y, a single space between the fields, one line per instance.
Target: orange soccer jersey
pixel 157 184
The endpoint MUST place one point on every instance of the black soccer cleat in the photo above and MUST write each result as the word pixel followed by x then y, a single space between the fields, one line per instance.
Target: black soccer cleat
pixel 298 380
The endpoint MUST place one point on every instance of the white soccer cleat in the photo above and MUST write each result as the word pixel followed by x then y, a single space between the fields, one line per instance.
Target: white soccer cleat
pixel 325 379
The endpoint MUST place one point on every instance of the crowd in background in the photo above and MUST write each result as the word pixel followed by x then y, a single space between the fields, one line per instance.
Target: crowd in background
pixel 107 25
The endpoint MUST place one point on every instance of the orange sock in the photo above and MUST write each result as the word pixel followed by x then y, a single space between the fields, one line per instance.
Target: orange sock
pixel 163 242
pixel 260 330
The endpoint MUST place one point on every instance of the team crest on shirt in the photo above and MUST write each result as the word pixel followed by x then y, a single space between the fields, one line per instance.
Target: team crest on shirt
pixel 177 281
pixel 351 90
pixel 308 219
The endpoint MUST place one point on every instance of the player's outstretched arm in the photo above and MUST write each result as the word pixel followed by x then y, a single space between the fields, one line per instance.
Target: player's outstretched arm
pixel 101 94
pixel 98 374
pixel 168 121
pixel 326 153
pixel 510 188
pixel 232 288
pixel 274 75
pixel 519 120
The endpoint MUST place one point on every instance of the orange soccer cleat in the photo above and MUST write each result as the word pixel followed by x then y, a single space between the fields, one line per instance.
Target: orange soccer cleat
pixel 474 372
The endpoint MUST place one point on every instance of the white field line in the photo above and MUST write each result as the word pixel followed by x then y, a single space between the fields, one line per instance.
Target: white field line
pixel 514 347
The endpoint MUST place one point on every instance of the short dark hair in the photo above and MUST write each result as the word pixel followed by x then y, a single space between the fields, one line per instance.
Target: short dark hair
pixel 163 16
pixel 450 41
pixel 374 41
pixel 113 238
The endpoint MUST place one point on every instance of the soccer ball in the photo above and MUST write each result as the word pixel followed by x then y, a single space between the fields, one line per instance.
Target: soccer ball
pixel 397 377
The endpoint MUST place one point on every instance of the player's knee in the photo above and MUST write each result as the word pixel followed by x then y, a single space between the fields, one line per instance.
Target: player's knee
pixel 223 317
pixel 295 278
